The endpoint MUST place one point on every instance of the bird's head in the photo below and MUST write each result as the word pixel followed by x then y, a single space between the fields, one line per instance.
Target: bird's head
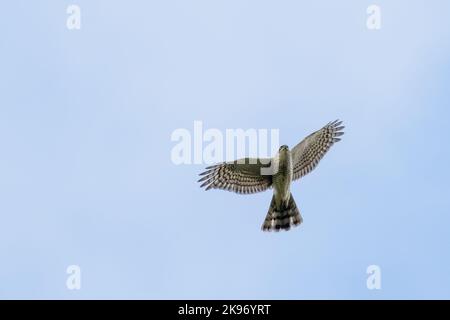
pixel 283 148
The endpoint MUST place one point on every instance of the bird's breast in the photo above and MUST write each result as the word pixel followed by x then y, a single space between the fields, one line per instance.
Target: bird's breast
pixel 283 177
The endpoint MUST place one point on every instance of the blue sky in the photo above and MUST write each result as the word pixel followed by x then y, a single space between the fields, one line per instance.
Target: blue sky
pixel 86 176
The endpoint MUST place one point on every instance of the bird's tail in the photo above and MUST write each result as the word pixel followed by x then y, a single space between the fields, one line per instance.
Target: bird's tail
pixel 282 218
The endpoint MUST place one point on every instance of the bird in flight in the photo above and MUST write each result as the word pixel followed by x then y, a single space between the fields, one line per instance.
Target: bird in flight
pixel 251 175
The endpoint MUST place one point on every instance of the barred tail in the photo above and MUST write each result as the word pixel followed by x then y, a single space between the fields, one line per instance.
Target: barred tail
pixel 283 218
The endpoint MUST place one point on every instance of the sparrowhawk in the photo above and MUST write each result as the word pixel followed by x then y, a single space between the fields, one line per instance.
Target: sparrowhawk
pixel 251 175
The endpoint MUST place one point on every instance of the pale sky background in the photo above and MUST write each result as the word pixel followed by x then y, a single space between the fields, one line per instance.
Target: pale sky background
pixel 86 176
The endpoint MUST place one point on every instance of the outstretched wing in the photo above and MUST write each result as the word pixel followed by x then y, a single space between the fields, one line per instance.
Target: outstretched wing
pixel 307 154
pixel 240 176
